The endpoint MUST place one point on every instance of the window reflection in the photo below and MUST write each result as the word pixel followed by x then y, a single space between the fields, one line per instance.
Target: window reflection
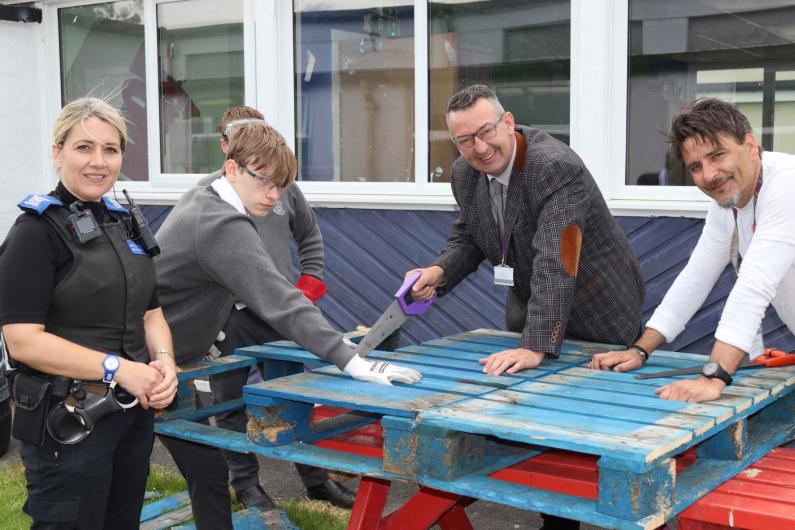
pixel 102 55
pixel 200 51
pixel 521 48
pixel 739 52
pixel 355 90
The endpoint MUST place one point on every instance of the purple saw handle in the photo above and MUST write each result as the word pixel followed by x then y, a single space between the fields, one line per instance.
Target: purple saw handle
pixel 406 300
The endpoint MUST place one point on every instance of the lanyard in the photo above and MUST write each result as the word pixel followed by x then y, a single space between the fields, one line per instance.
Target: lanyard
pixel 734 251
pixel 498 189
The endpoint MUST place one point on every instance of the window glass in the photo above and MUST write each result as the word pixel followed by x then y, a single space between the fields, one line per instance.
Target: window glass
pixel 355 90
pixel 521 48
pixel 102 55
pixel 740 52
pixel 200 53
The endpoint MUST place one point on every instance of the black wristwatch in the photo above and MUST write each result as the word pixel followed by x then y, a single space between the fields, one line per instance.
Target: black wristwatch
pixel 713 370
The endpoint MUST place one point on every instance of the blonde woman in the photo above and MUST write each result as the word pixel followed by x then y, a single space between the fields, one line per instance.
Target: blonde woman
pixel 82 321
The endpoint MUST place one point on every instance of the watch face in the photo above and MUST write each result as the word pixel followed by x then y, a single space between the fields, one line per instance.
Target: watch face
pixel 710 368
pixel 111 363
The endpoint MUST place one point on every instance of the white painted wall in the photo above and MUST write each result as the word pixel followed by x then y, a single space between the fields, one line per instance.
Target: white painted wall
pixel 24 153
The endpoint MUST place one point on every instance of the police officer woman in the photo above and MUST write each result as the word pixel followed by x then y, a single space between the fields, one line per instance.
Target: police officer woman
pixel 81 318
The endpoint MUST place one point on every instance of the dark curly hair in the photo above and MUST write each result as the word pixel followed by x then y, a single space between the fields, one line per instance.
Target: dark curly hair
pixel 705 118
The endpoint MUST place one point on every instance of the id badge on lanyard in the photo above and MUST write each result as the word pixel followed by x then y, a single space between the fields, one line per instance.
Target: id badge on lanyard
pixel 503 274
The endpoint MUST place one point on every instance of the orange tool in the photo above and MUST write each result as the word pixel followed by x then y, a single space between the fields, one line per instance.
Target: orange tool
pixel 770 358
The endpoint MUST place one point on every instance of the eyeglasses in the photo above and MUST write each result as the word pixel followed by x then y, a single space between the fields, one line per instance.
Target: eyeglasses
pixel 262 181
pixel 485 133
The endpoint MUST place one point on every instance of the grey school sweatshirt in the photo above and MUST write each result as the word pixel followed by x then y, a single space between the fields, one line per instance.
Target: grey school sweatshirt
pixel 212 256
pixel 291 215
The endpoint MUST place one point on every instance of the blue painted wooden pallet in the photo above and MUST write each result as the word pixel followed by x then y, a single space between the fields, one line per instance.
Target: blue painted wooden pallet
pixel 172 511
pixel 436 432
pixel 458 425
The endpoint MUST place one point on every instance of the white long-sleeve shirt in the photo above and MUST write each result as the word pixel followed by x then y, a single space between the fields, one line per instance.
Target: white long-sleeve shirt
pixel 767 274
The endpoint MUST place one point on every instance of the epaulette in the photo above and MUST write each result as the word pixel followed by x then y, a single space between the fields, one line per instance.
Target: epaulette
pixel 38 203
pixel 113 206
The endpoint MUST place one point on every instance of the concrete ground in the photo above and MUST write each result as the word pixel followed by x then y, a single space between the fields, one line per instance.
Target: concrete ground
pixel 281 481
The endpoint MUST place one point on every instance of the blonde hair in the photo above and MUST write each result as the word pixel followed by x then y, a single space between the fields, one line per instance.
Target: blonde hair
pixel 256 144
pixel 82 109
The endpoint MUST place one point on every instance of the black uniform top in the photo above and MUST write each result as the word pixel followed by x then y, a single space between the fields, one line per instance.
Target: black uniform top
pixel 35 258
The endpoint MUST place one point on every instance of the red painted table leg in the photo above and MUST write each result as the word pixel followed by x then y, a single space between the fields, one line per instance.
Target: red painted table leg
pixel 369 504
pixel 426 508
pixel 456 519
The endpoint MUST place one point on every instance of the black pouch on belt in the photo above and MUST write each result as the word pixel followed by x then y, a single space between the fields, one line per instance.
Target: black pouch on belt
pixel 32 402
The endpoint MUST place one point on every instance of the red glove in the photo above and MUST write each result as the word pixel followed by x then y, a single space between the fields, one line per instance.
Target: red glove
pixel 313 288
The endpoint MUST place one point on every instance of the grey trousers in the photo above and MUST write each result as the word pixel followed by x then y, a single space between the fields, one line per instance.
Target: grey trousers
pixel 243 328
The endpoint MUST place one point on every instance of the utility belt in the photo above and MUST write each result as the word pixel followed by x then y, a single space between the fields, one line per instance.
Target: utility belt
pixel 65 408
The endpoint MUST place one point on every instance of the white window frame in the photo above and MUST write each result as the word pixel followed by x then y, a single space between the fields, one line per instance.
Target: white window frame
pixel 420 194
pixel 598 103
pixel 599 65
pixel 161 188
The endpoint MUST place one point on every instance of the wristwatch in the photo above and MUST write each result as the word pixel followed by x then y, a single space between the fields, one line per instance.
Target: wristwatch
pixel 110 365
pixel 713 370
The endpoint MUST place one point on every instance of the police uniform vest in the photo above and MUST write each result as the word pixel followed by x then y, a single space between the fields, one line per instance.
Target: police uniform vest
pixel 101 301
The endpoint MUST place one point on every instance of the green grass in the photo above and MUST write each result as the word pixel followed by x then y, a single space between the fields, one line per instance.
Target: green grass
pixel 12 497
pixel 315 515
pixel 164 482
pixel 306 514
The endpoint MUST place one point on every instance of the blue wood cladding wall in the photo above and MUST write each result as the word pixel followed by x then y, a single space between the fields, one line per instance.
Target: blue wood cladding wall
pixel 367 252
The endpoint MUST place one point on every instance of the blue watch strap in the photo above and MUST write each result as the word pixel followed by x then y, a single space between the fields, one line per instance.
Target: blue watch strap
pixel 110 364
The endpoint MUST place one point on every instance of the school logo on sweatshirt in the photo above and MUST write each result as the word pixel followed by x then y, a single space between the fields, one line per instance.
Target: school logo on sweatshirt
pixel 278 209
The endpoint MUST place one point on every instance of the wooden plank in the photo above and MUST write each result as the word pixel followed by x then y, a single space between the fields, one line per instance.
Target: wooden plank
pixel 438 380
pixel 537 500
pixel 637 444
pixel 413 449
pixel 279 351
pixel 344 392
pixel 546 396
pixel 634 495
pixel 169 519
pixel 510 339
pixel 738 398
pixel 464 365
pixel 164 505
pixel 450 352
pixel 254 519
pixel 633 390
pixel 218 365
pixel 277 421
pixel 295 452
pixel 200 413
pixel 476 349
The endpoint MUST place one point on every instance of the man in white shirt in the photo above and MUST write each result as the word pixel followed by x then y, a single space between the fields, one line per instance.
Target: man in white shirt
pixel 749 224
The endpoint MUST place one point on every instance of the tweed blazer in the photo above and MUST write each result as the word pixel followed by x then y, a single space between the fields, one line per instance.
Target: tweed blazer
pixel 572 262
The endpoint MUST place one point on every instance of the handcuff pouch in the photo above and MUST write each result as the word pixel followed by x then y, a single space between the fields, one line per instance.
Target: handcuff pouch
pixel 31 394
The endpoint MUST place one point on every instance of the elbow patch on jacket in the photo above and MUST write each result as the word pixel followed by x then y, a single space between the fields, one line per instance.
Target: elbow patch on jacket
pixel 570 245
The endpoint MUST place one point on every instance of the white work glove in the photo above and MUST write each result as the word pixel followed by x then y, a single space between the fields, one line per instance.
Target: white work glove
pixel 380 372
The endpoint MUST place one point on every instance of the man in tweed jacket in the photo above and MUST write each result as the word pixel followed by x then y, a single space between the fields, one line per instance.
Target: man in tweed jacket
pixel 573 271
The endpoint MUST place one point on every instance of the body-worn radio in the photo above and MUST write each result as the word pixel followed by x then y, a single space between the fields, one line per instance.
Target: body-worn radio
pixel 139 228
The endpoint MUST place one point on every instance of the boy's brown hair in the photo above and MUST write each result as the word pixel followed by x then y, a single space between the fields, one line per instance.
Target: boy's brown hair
pixel 243 112
pixel 262 148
